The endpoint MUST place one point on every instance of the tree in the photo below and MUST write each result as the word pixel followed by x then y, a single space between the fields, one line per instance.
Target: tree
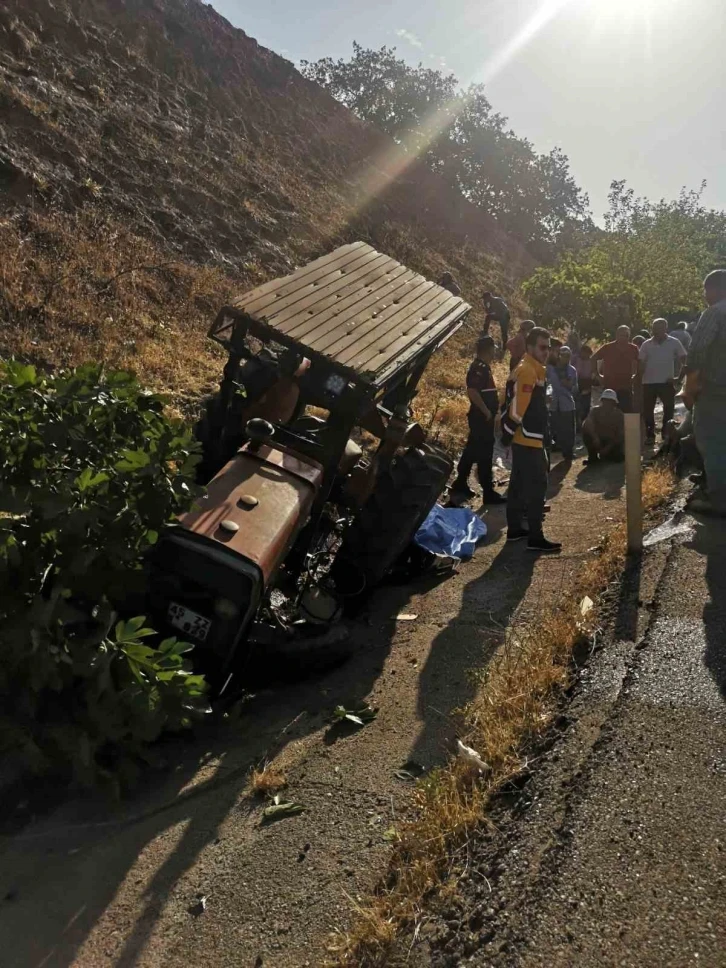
pixel 462 138
pixel 382 89
pixel 649 261
pixel 583 294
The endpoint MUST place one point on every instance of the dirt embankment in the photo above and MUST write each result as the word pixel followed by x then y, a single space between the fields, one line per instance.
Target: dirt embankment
pixel 182 140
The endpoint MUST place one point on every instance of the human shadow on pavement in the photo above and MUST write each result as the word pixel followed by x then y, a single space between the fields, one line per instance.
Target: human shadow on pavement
pixel 627 608
pixel 557 477
pixel 605 477
pixel 711 542
pixel 466 643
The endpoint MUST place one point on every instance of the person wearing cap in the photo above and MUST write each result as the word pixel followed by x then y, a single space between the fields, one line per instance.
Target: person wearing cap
pixel 562 377
pixel 484 405
pixel 603 432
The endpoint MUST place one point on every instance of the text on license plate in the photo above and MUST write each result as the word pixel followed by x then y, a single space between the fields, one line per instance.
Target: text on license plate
pixel 188 621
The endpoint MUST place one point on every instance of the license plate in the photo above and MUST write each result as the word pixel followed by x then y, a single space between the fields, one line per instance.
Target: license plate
pixel 189 622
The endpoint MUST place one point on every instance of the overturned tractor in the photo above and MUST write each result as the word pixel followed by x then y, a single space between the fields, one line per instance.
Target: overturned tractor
pixel 299 519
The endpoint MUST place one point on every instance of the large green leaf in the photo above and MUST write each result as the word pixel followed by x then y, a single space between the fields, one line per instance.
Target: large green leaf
pixel 92 472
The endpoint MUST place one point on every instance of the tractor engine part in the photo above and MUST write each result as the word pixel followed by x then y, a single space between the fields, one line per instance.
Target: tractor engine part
pixel 210 572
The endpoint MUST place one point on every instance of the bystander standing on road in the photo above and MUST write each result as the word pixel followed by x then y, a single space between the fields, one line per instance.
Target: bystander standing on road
pixel 562 377
pixel 448 282
pixel 574 342
pixel 661 361
pixel 484 407
pixel 638 341
pixel 553 356
pixel 617 364
pixel 681 334
pixel 517 345
pixel 705 392
pixel 603 433
pixel 496 311
pixel 525 425
pixel 584 365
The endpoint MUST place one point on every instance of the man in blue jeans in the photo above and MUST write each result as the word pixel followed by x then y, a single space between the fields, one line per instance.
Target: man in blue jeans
pixel 705 392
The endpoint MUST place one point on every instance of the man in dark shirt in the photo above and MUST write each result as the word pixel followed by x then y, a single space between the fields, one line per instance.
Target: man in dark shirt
pixel 617 363
pixel 479 447
pixel 448 282
pixel 496 311
pixel 705 392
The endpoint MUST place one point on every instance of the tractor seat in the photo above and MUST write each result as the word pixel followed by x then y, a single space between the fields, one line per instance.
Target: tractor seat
pixel 310 424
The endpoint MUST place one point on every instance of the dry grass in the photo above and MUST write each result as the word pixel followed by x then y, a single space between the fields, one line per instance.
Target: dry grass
pixel 82 287
pixel 267 780
pixel 513 706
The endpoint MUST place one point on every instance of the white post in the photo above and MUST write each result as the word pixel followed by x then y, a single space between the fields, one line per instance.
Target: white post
pixel 633 496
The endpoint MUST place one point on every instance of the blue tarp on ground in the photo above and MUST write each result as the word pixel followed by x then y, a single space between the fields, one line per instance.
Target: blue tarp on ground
pixel 451 531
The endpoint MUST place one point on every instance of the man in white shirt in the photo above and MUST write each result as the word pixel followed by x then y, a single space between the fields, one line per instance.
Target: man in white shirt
pixel 661 361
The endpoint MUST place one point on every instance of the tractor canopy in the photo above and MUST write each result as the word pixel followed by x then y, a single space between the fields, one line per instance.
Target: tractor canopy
pixel 363 319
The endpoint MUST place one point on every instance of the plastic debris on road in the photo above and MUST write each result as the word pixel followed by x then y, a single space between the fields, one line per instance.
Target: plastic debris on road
pixel 453 532
pixel 470 756
pixel 678 524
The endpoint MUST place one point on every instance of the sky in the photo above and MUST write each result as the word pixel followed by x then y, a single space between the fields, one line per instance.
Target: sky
pixel 629 89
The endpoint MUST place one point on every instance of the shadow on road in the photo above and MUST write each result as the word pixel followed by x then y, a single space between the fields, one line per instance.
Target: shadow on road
pixel 604 478
pixel 628 604
pixel 467 643
pixel 59 876
pixel 711 542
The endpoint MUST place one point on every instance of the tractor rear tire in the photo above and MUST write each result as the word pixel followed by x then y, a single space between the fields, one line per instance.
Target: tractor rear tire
pixel 386 524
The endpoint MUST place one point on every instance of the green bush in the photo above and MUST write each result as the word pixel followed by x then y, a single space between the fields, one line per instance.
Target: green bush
pixel 90 470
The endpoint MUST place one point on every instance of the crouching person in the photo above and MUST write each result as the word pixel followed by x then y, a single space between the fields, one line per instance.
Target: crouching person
pixel 525 424
pixel 603 431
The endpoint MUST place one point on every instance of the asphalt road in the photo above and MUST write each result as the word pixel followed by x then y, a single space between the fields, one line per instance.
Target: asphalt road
pixel 644 881
pixel 615 852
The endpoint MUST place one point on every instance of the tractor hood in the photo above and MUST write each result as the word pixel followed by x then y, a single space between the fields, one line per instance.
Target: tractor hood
pixel 257 505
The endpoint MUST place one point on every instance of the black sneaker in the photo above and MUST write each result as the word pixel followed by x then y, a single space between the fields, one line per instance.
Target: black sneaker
pixel 542 544
pixel 517 535
pixel 491 497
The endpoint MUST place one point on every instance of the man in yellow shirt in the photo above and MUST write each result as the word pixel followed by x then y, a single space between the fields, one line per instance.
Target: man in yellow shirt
pixel 525 424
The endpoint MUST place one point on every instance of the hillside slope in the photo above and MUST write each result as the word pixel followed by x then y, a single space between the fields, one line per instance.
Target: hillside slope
pixel 153 157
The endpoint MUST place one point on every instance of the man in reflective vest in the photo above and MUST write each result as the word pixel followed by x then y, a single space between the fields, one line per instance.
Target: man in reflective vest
pixel 525 424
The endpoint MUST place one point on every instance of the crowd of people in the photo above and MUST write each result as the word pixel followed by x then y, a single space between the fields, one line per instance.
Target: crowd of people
pixel 548 401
